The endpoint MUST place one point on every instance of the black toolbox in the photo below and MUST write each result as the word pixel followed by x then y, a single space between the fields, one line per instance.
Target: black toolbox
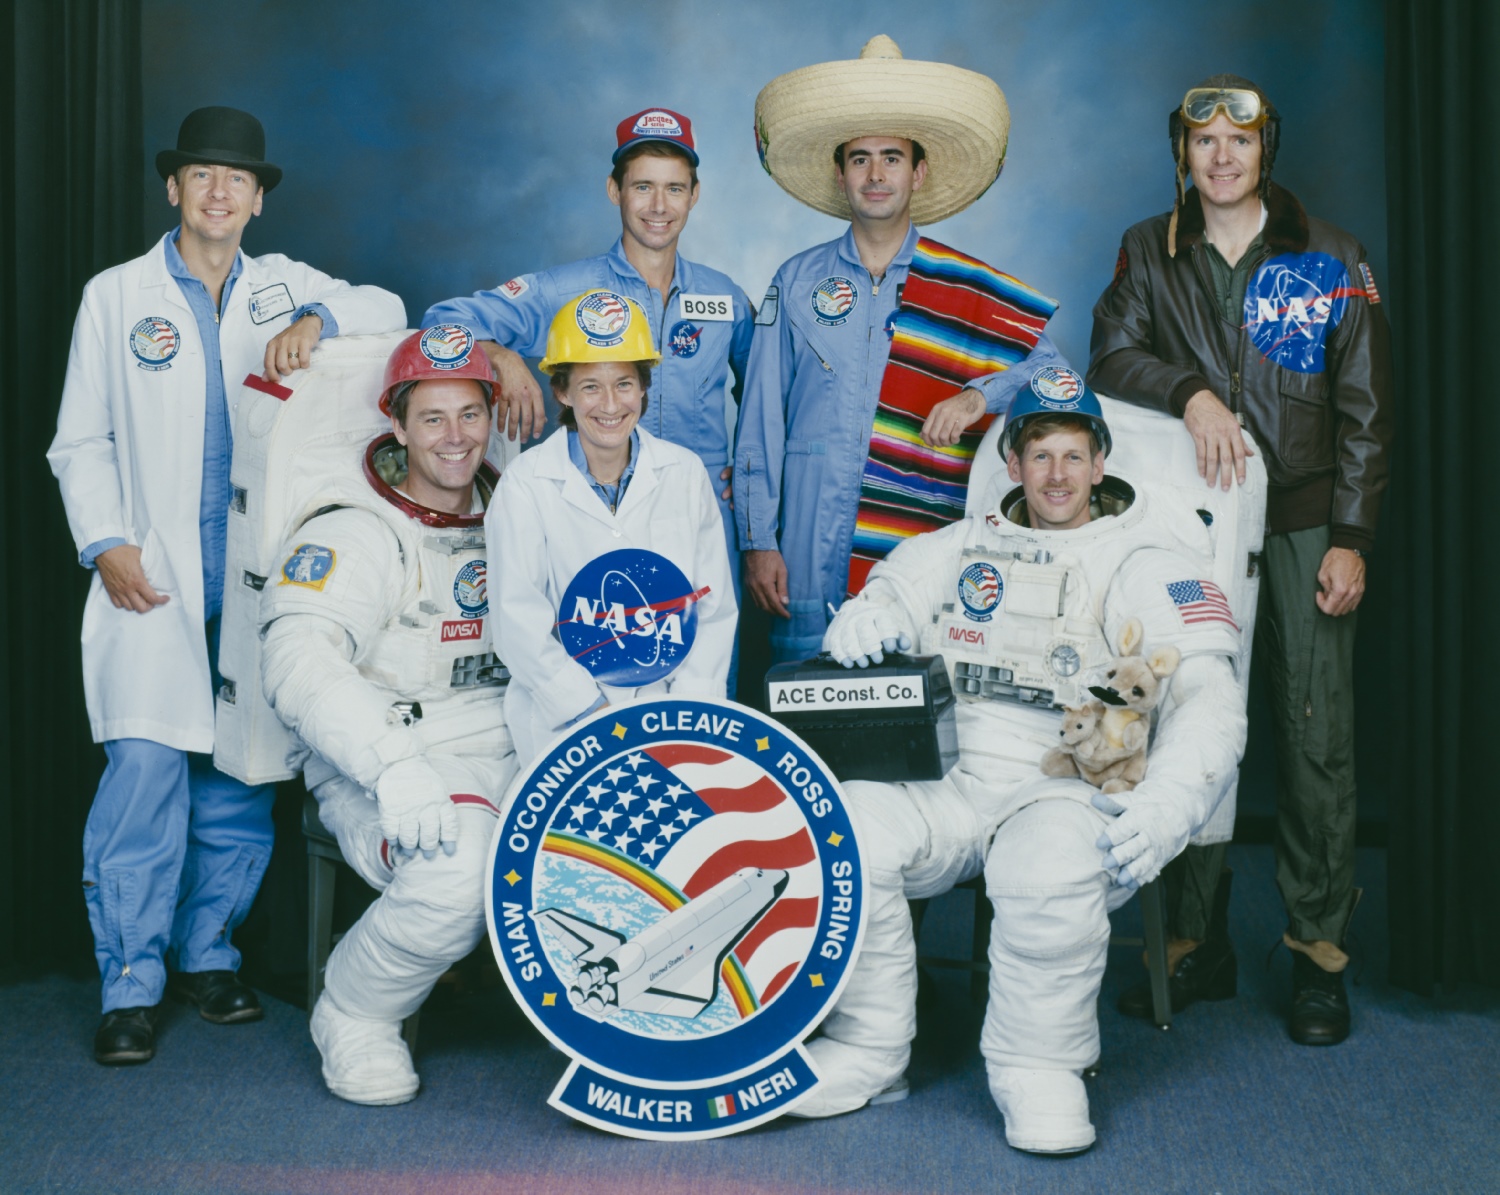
pixel 892 721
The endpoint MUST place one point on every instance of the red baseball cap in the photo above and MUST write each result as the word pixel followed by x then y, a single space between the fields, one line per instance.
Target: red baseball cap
pixel 656 124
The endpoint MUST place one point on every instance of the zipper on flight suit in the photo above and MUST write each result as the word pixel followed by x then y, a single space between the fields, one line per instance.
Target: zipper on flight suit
pixel 661 347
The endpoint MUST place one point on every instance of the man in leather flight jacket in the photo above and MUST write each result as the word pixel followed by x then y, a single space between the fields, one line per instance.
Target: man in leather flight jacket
pixel 1238 311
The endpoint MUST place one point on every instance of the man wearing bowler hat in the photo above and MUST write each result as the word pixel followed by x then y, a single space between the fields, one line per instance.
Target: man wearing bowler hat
pixel 173 849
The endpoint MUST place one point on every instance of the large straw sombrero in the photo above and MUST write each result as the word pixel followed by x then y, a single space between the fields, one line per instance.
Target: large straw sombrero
pixel 959 117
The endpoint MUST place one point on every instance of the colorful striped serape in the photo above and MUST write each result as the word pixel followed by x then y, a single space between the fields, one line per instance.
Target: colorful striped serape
pixel 959 320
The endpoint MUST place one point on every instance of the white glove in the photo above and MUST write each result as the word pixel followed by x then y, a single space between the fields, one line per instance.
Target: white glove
pixel 414 808
pixel 1144 837
pixel 862 633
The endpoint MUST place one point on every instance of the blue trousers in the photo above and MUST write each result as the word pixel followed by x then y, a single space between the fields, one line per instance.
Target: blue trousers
pixel 173 854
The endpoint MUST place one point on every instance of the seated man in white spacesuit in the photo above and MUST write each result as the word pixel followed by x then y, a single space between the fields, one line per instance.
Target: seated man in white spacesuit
pixel 377 652
pixel 1041 586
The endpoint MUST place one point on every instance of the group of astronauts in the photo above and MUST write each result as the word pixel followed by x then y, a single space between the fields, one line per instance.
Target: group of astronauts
pixel 379 650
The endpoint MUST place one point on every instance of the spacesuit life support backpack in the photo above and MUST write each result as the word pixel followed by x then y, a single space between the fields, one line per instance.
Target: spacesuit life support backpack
pixel 294 444
pixel 1146 444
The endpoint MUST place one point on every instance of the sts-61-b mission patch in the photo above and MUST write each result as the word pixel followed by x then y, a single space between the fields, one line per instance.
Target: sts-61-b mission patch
pixel 676 898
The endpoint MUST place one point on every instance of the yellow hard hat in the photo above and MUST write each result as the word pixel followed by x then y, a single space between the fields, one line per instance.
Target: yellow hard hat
pixel 599 325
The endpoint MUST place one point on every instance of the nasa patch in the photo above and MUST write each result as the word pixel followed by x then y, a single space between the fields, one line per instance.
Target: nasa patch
pixel 684 339
pixel 603 317
pixel 629 617
pixel 676 898
pixel 309 565
pixel 1292 302
pixel 833 300
pixel 1058 388
pixel 470 590
pixel 980 588
pixel 447 346
pixel 155 341
pixel 515 288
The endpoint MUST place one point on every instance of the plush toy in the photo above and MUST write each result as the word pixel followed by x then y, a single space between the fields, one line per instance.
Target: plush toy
pixel 1104 741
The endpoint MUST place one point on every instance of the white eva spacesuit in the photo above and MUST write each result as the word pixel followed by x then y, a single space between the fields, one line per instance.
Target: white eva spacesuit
pixel 378 653
pixel 1021 616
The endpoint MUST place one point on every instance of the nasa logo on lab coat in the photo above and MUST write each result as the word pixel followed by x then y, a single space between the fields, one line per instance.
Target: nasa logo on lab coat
pixel 629 617
pixel 676 897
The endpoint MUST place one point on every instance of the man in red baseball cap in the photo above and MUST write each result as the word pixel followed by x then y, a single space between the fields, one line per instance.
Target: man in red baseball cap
pixel 701 320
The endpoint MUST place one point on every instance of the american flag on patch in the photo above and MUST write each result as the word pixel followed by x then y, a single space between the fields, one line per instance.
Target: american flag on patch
pixel 1201 601
pixel 607 310
pixel 695 815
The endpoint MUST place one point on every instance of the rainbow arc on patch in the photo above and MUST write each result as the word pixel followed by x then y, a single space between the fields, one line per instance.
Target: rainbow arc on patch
pixel 607 859
pixel 959 320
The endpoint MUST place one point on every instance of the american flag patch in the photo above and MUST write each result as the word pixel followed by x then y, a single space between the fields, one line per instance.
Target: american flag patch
pixel 1200 601
pixel 1370 292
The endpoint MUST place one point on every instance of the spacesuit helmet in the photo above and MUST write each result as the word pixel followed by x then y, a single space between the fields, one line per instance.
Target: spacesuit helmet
pixel 1054 390
pixel 436 354
pixel 599 325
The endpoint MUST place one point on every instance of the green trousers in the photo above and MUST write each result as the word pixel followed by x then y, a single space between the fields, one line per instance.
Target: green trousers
pixel 1308 659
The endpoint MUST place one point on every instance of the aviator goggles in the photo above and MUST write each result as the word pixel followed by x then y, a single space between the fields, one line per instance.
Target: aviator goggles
pixel 1243 108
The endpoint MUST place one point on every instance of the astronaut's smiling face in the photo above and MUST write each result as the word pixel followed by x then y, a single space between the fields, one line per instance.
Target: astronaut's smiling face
pixel 446 433
pixel 216 201
pixel 1058 474
pixel 606 397
pixel 1224 161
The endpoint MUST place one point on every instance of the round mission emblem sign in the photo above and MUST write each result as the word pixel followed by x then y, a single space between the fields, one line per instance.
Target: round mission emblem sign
pixel 676 898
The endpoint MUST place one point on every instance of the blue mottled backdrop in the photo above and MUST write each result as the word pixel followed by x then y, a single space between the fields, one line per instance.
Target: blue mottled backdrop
pixel 440 148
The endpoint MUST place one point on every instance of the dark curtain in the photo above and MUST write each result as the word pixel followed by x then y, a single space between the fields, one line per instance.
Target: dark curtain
pixel 1441 567
pixel 70 206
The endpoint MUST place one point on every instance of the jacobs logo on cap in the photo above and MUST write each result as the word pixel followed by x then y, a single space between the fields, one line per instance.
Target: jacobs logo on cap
pixel 660 124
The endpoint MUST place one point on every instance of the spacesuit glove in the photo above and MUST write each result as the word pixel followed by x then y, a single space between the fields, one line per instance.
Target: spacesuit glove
pixel 415 811
pixel 862 633
pixel 1144 837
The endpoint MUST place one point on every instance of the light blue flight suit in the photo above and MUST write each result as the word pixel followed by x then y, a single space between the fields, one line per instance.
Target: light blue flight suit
pixel 806 419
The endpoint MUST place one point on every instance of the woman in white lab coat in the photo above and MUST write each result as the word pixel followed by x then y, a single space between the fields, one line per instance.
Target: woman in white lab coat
pixel 608 561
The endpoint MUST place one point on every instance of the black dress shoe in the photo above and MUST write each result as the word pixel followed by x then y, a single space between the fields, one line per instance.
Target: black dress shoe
pixel 1320 1007
pixel 1211 972
pixel 219 995
pixel 126 1036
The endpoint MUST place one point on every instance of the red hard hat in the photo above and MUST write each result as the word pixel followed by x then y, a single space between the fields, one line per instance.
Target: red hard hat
pixel 433 354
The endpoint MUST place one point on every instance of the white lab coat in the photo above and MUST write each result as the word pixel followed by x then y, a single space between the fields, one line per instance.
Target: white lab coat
pixel 546 523
pixel 129 457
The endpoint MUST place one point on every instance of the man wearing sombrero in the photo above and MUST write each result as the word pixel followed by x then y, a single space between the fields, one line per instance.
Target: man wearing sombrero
pixel 174 849
pixel 878 357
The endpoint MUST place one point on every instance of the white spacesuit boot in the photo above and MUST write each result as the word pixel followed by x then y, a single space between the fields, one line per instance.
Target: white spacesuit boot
pixel 862 1054
pixel 1047 955
pixel 918 840
pixel 430 915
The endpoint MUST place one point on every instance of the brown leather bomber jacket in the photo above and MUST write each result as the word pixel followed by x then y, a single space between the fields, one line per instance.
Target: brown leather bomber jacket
pixel 1308 372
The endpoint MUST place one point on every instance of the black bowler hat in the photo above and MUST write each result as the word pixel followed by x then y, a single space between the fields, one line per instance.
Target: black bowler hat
pixel 220 137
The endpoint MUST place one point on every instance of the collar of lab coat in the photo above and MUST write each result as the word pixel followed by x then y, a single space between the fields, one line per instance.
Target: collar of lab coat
pixel 158 276
pixel 553 462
